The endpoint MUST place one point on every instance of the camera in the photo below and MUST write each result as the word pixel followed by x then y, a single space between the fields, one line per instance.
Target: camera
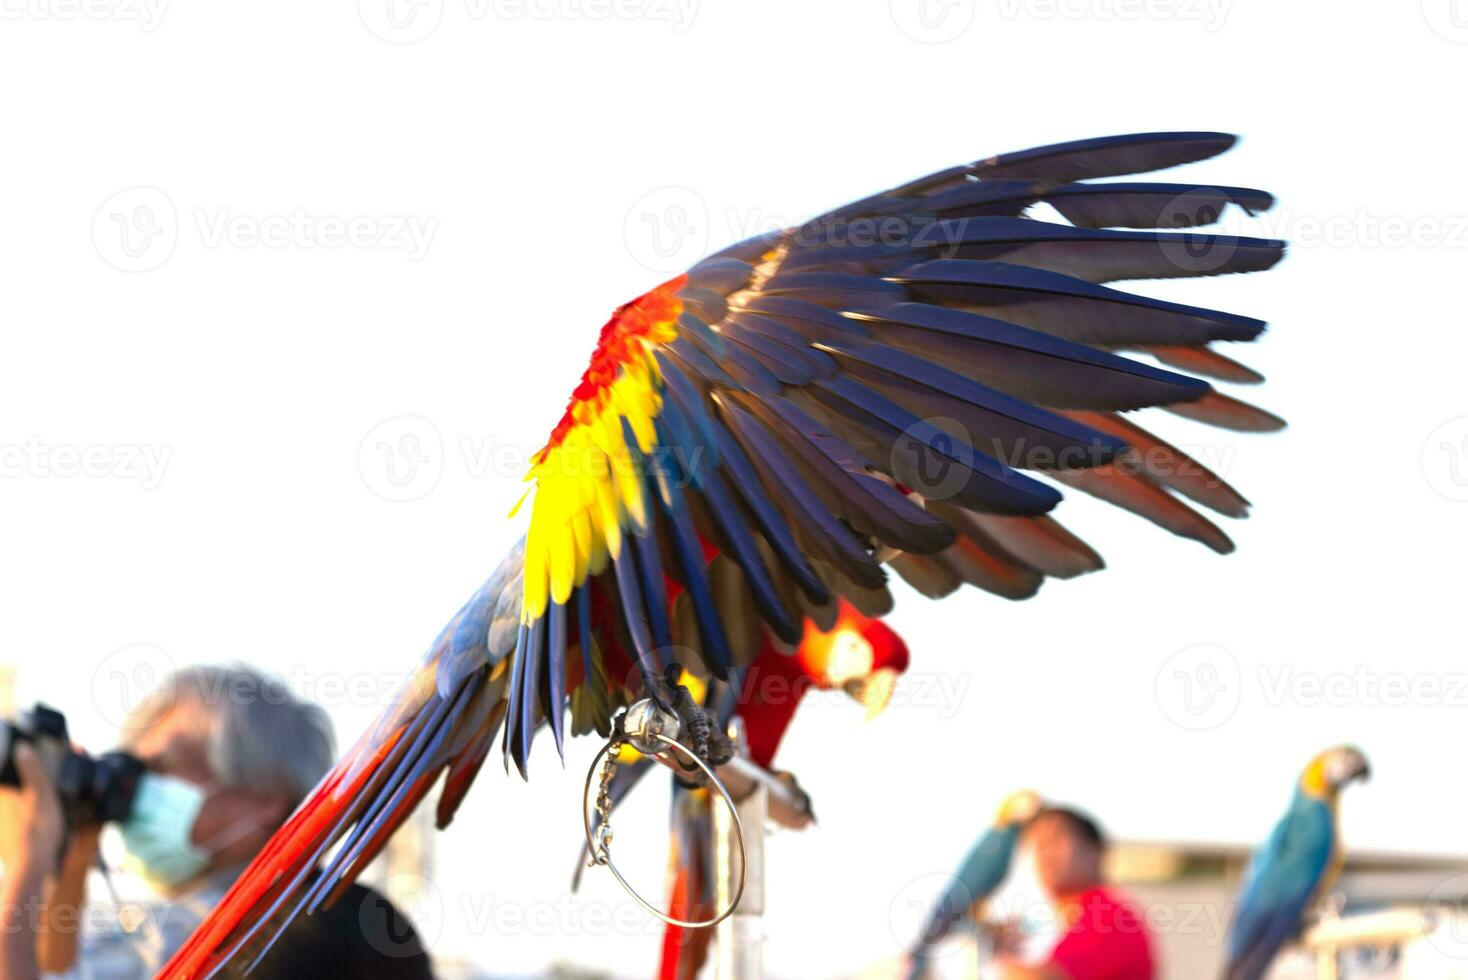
pixel 93 789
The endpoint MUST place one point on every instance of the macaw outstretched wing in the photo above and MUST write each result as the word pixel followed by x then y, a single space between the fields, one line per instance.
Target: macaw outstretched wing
pixel 882 381
pixel 904 381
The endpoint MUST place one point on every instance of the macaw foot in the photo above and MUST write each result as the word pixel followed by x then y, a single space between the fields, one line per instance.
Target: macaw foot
pixel 700 728
pixel 674 713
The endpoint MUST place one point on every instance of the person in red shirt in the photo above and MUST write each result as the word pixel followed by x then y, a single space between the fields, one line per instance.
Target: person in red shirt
pixel 1103 934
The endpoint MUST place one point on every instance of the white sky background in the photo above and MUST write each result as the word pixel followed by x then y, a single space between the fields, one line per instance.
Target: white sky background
pixel 524 146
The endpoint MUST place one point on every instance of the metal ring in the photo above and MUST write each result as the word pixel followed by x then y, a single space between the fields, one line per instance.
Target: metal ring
pixel 728 801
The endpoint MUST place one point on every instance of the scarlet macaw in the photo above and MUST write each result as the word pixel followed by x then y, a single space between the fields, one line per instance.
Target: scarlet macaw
pixel 1295 868
pixel 982 871
pixel 754 439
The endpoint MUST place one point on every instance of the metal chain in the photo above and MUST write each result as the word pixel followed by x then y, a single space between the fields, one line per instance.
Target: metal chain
pixel 599 836
pixel 599 854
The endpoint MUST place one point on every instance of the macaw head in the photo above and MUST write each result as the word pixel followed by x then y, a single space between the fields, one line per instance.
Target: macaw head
pixel 859 655
pixel 1330 771
pixel 1018 809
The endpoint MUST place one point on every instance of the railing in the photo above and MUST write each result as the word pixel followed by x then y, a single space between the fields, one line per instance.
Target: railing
pixel 1335 934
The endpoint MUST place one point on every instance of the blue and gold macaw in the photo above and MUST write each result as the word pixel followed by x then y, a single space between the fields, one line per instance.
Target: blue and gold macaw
pixel 1295 868
pixel 982 871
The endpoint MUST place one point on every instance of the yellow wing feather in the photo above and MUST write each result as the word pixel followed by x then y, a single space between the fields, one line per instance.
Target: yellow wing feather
pixel 586 490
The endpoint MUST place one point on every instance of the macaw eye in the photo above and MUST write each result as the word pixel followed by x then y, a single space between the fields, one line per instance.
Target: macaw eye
pixel 851 656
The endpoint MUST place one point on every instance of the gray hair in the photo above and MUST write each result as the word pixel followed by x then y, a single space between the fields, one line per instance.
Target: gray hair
pixel 261 737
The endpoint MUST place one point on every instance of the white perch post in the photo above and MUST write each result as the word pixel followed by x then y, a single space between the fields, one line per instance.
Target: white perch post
pixel 739 939
pixel 760 797
pixel 1334 933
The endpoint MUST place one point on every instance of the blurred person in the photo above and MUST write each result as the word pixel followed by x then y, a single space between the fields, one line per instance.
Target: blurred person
pixel 30 838
pixel 1102 934
pixel 229 755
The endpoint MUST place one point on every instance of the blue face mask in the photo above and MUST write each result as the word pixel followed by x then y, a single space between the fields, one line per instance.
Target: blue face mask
pixel 158 832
